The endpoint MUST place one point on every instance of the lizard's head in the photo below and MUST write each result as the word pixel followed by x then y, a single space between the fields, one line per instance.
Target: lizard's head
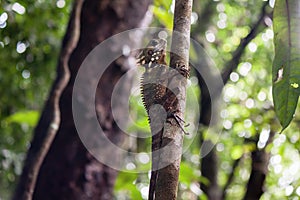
pixel 154 52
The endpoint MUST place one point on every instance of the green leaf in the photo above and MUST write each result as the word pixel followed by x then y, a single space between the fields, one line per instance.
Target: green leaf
pixel 237 151
pixel 286 64
pixel 126 182
pixel 165 3
pixel 125 179
pixel 24 117
pixel 187 174
pixel 163 16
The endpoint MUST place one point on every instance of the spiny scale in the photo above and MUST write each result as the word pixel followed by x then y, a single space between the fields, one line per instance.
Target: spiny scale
pixel 153 87
pixel 153 90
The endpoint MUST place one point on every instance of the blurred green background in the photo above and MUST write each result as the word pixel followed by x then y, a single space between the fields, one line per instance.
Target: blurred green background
pixel 30 38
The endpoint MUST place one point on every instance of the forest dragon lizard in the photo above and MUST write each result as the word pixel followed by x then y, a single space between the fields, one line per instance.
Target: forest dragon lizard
pixel 157 98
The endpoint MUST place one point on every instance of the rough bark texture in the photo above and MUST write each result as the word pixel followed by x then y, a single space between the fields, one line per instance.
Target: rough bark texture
pixel 167 180
pixel 50 120
pixel 69 171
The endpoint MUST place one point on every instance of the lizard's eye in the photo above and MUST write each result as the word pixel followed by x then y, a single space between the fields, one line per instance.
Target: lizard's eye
pixel 150 52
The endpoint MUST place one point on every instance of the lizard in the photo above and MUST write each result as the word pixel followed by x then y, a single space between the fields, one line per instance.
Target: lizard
pixel 152 58
pixel 158 100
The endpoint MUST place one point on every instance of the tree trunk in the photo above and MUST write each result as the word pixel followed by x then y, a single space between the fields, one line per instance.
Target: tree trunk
pixel 259 171
pixel 210 172
pixel 167 179
pixel 255 186
pixel 209 158
pixel 69 170
pixel 50 120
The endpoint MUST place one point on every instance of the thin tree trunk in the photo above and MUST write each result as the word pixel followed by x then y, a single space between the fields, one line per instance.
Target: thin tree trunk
pixel 167 180
pixel 210 172
pixel 231 176
pixel 209 158
pixel 259 171
pixel 255 186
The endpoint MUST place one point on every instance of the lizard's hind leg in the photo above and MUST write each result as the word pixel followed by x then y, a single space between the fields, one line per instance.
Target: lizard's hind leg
pixel 178 120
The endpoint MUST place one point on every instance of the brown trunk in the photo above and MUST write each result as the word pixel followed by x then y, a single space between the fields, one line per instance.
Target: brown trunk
pixel 50 119
pixel 209 161
pixel 255 187
pixel 69 171
pixel 210 172
pixel 259 171
pixel 167 178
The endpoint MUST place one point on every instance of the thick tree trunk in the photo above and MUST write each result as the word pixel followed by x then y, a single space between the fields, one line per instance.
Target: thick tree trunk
pixel 50 120
pixel 69 170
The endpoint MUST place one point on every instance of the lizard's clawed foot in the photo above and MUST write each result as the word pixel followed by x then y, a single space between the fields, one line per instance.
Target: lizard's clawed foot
pixel 179 120
pixel 183 69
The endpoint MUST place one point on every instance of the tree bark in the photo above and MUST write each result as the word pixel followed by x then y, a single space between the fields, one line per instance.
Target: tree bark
pixel 255 186
pixel 50 120
pixel 259 171
pixel 69 170
pixel 167 180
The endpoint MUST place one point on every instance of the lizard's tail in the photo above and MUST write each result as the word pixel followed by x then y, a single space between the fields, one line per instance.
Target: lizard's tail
pixel 156 146
pixel 153 180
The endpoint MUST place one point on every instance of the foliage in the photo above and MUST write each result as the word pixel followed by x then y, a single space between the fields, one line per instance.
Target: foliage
pixel 286 70
pixel 30 35
pixel 30 43
pixel 248 117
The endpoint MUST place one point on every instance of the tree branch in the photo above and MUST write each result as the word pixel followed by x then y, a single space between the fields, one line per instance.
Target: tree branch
pixel 230 177
pixel 167 180
pixel 209 170
pixel 259 170
pixel 207 97
pixel 231 65
pixel 49 122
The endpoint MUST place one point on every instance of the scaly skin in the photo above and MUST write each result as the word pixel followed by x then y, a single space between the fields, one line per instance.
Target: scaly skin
pixel 158 100
pixel 153 90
